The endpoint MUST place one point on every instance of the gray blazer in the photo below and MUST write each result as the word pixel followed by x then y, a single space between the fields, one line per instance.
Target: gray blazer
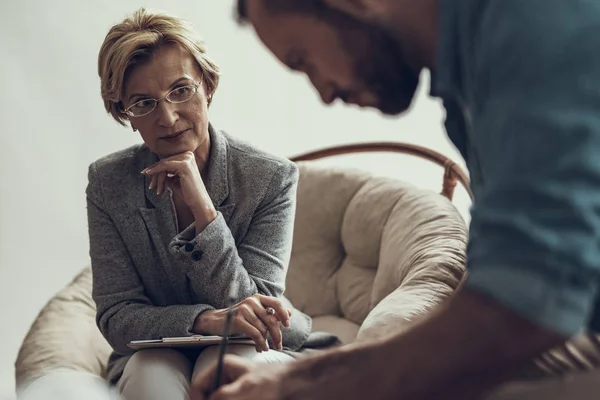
pixel 151 282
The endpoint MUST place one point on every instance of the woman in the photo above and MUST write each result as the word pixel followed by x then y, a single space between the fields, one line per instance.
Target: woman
pixel 174 221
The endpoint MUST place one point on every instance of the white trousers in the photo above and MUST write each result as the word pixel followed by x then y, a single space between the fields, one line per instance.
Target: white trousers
pixel 159 374
pixel 151 374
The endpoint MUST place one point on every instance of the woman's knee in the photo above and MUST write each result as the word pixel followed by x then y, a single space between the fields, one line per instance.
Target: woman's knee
pixel 156 374
pixel 210 355
pixel 158 358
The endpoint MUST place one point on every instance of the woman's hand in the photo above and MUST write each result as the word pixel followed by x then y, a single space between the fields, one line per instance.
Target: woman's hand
pixel 182 169
pixel 251 318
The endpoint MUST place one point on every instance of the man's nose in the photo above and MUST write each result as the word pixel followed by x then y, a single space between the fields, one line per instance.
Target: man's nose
pixel 326 90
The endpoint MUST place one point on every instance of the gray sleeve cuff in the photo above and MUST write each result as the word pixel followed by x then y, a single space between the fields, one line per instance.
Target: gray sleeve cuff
pixel 190 317
pixel 207 246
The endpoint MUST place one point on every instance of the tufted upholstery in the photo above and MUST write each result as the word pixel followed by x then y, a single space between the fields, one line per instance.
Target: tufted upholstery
pixel 360 240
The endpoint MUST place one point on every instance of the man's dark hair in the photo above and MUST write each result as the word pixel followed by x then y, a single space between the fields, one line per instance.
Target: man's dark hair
pixel 314 7
pixel 241 12
pixel 384 68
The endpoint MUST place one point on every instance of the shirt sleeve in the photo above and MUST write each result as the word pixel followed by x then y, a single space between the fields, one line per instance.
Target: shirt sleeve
pixel 535 228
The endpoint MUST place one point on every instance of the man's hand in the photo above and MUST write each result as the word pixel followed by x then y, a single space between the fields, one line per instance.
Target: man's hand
pixel 351 372
pixel 238 382
pixel 471 335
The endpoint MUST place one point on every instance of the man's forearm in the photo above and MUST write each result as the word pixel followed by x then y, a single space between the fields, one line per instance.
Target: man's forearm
pixel 471 336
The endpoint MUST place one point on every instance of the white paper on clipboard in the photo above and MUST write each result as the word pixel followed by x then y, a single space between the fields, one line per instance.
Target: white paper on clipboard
pixel 196 341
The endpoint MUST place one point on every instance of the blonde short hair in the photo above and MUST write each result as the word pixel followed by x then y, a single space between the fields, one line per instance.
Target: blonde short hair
pixel 133 41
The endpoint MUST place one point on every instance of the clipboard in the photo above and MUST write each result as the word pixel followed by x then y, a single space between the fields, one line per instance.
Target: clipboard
pixel 194 341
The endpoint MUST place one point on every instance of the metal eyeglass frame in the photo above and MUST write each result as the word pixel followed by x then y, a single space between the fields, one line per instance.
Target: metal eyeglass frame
pixel 165 97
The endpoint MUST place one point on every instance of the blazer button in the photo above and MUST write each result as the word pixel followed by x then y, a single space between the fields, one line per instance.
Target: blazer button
pixel 188 247
pixel 197 255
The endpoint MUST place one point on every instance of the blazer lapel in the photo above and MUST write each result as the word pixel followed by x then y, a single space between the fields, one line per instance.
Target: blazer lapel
pixel 226 210
pixel 160 220
pixel 217 179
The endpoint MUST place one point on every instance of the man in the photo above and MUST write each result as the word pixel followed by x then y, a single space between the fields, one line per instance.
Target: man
pixel 520 82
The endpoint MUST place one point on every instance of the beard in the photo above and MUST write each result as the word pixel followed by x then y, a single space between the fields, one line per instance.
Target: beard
pixel 381 65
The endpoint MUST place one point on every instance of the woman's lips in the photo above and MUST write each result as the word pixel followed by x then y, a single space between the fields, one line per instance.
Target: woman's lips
pixel 174 137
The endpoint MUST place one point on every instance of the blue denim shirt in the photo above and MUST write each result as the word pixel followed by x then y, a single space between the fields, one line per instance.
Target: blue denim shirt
pixel 520 80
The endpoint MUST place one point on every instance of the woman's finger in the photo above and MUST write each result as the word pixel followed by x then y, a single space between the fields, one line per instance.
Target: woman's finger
pixel 270 320
pixel 280 311
pixel 184 157
pixel 176 157
pixel 152 182
pixel 248 313
pixel 172 167
pixel 246 328
pixel 160 182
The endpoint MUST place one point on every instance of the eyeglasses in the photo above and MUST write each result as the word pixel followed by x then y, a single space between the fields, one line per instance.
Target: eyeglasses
pixel 178 95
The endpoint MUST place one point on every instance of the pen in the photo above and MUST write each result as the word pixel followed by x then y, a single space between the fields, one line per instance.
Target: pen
pixel 233 288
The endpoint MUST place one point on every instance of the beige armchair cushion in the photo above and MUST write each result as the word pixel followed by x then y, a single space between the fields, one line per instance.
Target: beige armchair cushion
pixel 371 251
pixel 64 335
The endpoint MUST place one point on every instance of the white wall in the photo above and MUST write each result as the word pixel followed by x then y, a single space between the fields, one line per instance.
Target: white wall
pixel 53 125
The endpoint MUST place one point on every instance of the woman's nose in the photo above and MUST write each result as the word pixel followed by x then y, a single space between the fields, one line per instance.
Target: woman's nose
pixel 167 113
